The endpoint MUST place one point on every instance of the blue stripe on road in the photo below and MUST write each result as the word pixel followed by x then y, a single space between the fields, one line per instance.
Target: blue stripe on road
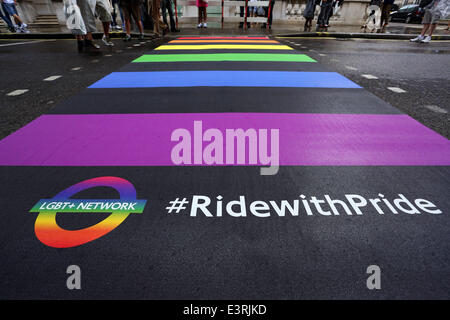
pixel 224 79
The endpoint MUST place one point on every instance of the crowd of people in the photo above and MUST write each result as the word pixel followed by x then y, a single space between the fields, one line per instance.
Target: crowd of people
pixel 81 17
pixel 9 14
pixel 82 14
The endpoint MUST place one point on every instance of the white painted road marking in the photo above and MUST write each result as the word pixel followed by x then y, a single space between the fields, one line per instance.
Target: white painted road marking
pixel 396 89
pixel 52 78
pixel 17 92
pixel 435 108
pixel 351 68
pixel 20 43
pixel 369 76
pixel 76 68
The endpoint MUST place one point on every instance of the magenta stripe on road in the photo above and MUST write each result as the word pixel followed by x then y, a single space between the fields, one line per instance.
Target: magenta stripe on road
pixel 144 139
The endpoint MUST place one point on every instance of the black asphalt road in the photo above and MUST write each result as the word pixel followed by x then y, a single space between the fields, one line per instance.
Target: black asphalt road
pixel 161 255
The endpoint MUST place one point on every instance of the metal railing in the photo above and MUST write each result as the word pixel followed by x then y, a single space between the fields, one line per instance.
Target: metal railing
pixel 247 3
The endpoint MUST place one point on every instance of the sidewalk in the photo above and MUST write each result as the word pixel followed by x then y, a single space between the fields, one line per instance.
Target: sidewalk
pixel 394 31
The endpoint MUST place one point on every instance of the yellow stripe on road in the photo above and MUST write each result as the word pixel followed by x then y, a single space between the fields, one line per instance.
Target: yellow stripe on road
pixel 223 46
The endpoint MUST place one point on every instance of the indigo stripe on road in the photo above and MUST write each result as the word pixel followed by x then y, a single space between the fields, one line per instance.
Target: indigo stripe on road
pixel 224 79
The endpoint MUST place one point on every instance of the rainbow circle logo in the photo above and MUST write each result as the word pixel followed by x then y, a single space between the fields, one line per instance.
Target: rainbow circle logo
pixel 51 234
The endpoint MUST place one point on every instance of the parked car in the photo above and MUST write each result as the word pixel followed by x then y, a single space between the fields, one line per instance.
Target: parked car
pixel 408 14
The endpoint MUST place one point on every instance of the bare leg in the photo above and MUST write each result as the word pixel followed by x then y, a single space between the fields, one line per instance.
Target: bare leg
pixel 424 29
pixel 106 28
pixel 432 28
pixel 17 19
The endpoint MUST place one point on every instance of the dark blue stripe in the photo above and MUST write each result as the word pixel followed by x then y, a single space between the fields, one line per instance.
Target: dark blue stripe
pixel 224 79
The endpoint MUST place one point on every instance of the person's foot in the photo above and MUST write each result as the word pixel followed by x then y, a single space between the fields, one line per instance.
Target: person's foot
pixel 107 41
pixel 175 30
pixel 205 25
pixel 127 38
pixel 241 25
pixel 200 25
pixel 141 37
pixel 23 28
pixel 426 39
pixel 89 44
pixel 419 38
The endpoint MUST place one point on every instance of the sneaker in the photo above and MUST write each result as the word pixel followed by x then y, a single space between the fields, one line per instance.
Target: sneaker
pixel 23 28
pixel 205 26
pixel 89 44
pixel 200 25
pixel 419 38
pixel 107 41
pixel 141 37
pixel 127 38
pixel 426 39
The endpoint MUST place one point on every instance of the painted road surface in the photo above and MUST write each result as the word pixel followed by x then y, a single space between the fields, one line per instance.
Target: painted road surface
pixel 225 168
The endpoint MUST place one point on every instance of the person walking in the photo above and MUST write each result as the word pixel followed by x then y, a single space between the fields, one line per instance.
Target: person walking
pixel 430 19
pixel 374 6
pixel 5 17
pixel 386 8
pixel 86 41
pixel 166 6
pixel 10 9
pixel 202 15
pixel 308 14
pixel 102 11
pixel 115 8
pixel 132 8
pixel 325 11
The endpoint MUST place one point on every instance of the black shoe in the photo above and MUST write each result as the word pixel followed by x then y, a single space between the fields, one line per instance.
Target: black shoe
pixel 89 44
pixel 80 44
pixel 175 30
pixel 241 25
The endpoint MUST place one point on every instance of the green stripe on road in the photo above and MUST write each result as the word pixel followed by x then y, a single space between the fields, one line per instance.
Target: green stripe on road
pixel 225 57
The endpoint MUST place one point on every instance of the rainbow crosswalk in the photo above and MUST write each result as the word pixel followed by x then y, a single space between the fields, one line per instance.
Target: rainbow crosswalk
pixel 187 68
pixel 337 142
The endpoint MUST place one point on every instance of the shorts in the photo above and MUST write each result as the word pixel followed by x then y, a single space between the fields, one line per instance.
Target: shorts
pixel 131 8
pixel 102 11
pixel 87 15
pixel 430 17
pixel 9 8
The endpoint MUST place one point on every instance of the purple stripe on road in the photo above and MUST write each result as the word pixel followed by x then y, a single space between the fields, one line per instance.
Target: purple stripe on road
pixel 144 139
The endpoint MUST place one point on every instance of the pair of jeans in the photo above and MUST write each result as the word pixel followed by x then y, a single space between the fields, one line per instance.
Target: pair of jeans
pixel 5 17
pixel 325 12
pixel 166 5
